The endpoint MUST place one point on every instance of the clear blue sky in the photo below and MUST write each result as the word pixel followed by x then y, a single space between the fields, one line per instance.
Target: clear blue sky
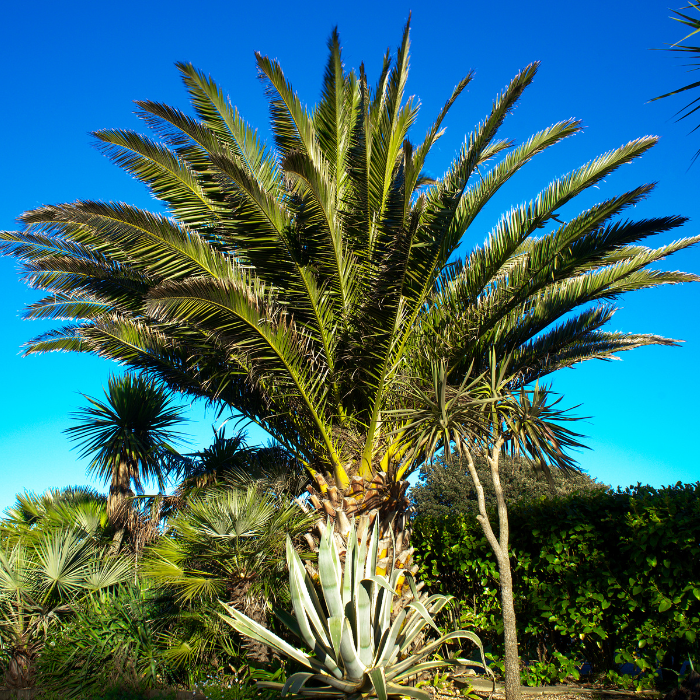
pixel 75 67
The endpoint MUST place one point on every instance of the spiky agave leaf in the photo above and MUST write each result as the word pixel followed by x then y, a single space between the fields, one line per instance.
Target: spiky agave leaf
pixel 354 645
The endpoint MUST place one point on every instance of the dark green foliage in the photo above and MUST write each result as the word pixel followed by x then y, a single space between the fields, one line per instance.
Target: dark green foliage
pixel 609 577
pixel 112 641
pixel 446 488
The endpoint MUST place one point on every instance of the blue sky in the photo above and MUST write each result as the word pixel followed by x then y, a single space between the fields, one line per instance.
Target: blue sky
pixel 75 67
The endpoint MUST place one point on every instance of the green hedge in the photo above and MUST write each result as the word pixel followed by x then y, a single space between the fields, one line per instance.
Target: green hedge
pixel 607 577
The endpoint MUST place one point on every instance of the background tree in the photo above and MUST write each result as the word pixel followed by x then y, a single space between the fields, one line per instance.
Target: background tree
pixel 693 53
pixel 232 461
pixel 485 417
pixel 446 488
pixel 228 544
pixel 128 437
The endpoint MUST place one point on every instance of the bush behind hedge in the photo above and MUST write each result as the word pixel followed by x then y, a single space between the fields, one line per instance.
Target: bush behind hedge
pixel 607 577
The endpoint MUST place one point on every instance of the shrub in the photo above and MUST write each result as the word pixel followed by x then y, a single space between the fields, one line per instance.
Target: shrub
pixel 610 577
pixel 112 642
pixel 446 488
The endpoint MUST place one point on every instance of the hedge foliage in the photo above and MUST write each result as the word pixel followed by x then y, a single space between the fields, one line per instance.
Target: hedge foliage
pixel 603 576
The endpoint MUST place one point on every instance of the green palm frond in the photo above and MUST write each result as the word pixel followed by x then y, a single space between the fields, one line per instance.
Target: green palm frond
pixel 692 52
pixel 302 285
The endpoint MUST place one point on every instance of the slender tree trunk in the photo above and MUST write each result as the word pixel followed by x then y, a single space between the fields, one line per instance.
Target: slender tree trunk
pixel 500 549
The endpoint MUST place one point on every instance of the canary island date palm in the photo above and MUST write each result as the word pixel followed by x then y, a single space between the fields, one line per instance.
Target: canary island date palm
pixel 299 284
pixel 128 437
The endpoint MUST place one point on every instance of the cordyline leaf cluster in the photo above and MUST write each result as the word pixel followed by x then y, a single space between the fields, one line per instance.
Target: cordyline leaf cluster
pixel 301 284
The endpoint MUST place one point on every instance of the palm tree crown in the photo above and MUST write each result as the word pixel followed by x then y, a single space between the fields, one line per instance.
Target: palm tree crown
pixel 128 435
pixel 301 285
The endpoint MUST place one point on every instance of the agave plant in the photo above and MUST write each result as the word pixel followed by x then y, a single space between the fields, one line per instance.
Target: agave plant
pixel 357 650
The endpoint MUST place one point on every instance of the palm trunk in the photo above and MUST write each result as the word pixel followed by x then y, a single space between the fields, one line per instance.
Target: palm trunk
pixel 500 549
pixel 119 492
pixel 379 498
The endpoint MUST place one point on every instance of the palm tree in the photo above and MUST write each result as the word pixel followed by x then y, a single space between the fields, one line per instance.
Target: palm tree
pixel 303 285
pixel 693 52
pixel 43 572
pixel 232 461
pixel 128 437
pixel 228 544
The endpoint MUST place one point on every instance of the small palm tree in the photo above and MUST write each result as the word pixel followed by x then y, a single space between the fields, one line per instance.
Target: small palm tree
pixel 229 544
pixel 78 508
pixel 232 461
pixel 42 574
pixel 127 437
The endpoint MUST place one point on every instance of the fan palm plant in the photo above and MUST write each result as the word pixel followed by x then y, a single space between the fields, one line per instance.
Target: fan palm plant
pixel 227 544
pixel 42 575
pixel 80 508
pixel 300 285
pixel 128 437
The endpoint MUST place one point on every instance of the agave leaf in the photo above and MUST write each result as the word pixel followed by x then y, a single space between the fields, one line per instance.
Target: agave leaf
pixel 349 556
pixel 345 686
pixel 429 649
pixel 335 628
pixel 379 682
pixel 417 693
pixel 335 556
pixel 289 621
pixel 301 617
pixel 296 682
pixel 243 624
pixel 416 622
pixel 382 582
pixel 354 667
pixel 422 611
pixel 371 565
pixel 364 626
pixel 328 572
pixel 306 593
pixel 426 666
pixel 389 647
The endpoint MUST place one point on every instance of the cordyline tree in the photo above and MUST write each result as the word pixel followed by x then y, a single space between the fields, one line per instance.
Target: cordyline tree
pixel 128 439
pixel 309 285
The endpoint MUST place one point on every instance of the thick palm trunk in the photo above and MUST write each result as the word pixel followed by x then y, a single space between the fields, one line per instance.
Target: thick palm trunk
pixel 500 549
pixel 20 670
pixel 378 498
